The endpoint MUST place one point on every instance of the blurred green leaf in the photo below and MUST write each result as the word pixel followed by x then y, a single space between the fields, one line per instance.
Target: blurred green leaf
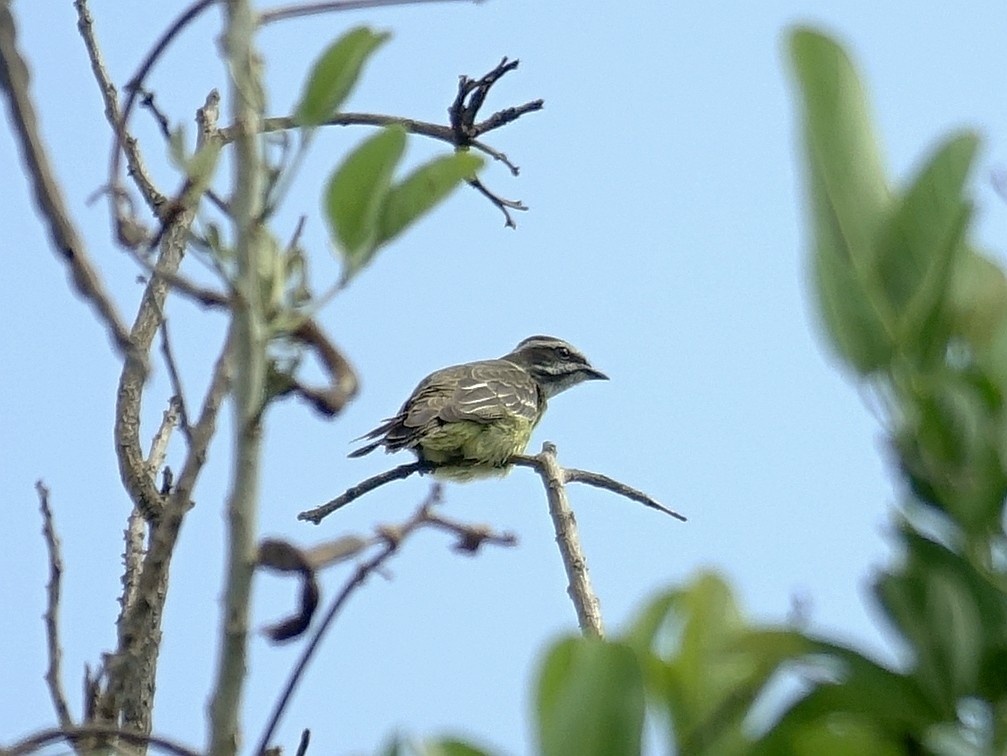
pixel 953 617
pixel 334 75
pixel 356 194
pixel 423 189
pixel 979 300
pixel 849 197
pixel 449 747
pixel 948 444
pixel 921 244
pixel 704 666
pixel 590 699
pixel 836 735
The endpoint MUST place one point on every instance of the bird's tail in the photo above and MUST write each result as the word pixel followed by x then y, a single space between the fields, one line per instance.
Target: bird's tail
pixel 367 449
pixel 377 433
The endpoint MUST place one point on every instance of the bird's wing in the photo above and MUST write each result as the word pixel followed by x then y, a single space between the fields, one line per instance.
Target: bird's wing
pixel 484 392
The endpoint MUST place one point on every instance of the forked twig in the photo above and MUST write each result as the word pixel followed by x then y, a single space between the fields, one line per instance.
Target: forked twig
pixel 570 475
pixel 470 539
pixel 66 240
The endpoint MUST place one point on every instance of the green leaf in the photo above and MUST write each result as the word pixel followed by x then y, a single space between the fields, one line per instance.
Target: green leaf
pixel 422 189
pixel 921 244
pixel 590 700
pixel 952 616
pixel 692 645
pixel 849 197
pixel 449 747
pixel 334 75
pixel 356 194
pixel 979 302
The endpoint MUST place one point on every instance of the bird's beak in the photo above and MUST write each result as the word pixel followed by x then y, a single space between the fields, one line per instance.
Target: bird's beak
pixel 593 375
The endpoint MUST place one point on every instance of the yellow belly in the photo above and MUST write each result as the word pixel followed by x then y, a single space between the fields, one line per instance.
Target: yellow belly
pixel 466 450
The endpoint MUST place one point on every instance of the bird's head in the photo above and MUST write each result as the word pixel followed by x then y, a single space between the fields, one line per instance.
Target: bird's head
pixel 554 364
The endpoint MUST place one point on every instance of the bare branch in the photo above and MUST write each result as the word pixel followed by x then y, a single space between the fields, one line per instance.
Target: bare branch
pixel 584 599
pixel 355 492
pixel 603 481
pixel 39 740
pixel 137 477
pixel 54 673
pixel 411 125
pixel 501 203
pixel 135 84
pixel 134 663
pixel 134 159
pixel 66 240
pixel 302 746
pixel 401 472
pixel 178 400
pixel 573 475
pixel 470 538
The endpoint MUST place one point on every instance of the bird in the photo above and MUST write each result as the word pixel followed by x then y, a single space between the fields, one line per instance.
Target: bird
pixel 466 421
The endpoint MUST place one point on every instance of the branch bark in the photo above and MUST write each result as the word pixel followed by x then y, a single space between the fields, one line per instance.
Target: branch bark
pixel 66 240
pixel 249 334
pixel 579 588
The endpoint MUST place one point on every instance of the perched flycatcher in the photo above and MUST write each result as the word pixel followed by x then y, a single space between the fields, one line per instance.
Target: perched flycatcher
pixel 467 420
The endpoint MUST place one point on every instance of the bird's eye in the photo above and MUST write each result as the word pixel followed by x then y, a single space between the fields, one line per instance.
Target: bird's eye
pixel 563 352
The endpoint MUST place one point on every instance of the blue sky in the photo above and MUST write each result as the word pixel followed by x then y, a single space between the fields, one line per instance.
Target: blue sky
pixel 666 239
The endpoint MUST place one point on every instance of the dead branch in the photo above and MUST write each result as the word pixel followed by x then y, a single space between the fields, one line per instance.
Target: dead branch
pixel 134 158
pixel 54 648
pixel 570 475
pixel 65 238
pixel 579 589
pixel 470 539
pixel 130 671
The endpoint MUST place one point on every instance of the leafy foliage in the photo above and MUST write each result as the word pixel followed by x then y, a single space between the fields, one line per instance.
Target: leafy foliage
pixel 335 73
pixel 908 303
pixel 366 209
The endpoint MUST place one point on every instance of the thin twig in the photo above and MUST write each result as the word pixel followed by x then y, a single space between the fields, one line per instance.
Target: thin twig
pixel 39 740
pixel 411 125
pixel 54 672
pixel 134 159
pixel 503 204
pixel 300 10
pixel 355 492
pixel 302 746
pixel 147 101
pixel 401 472
pixel 470 538
pixel 176 382
pixel 573 475
pixel 136 82
pixel 585 600
pixel 66 240
pixel 603 481
pixel 208 298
